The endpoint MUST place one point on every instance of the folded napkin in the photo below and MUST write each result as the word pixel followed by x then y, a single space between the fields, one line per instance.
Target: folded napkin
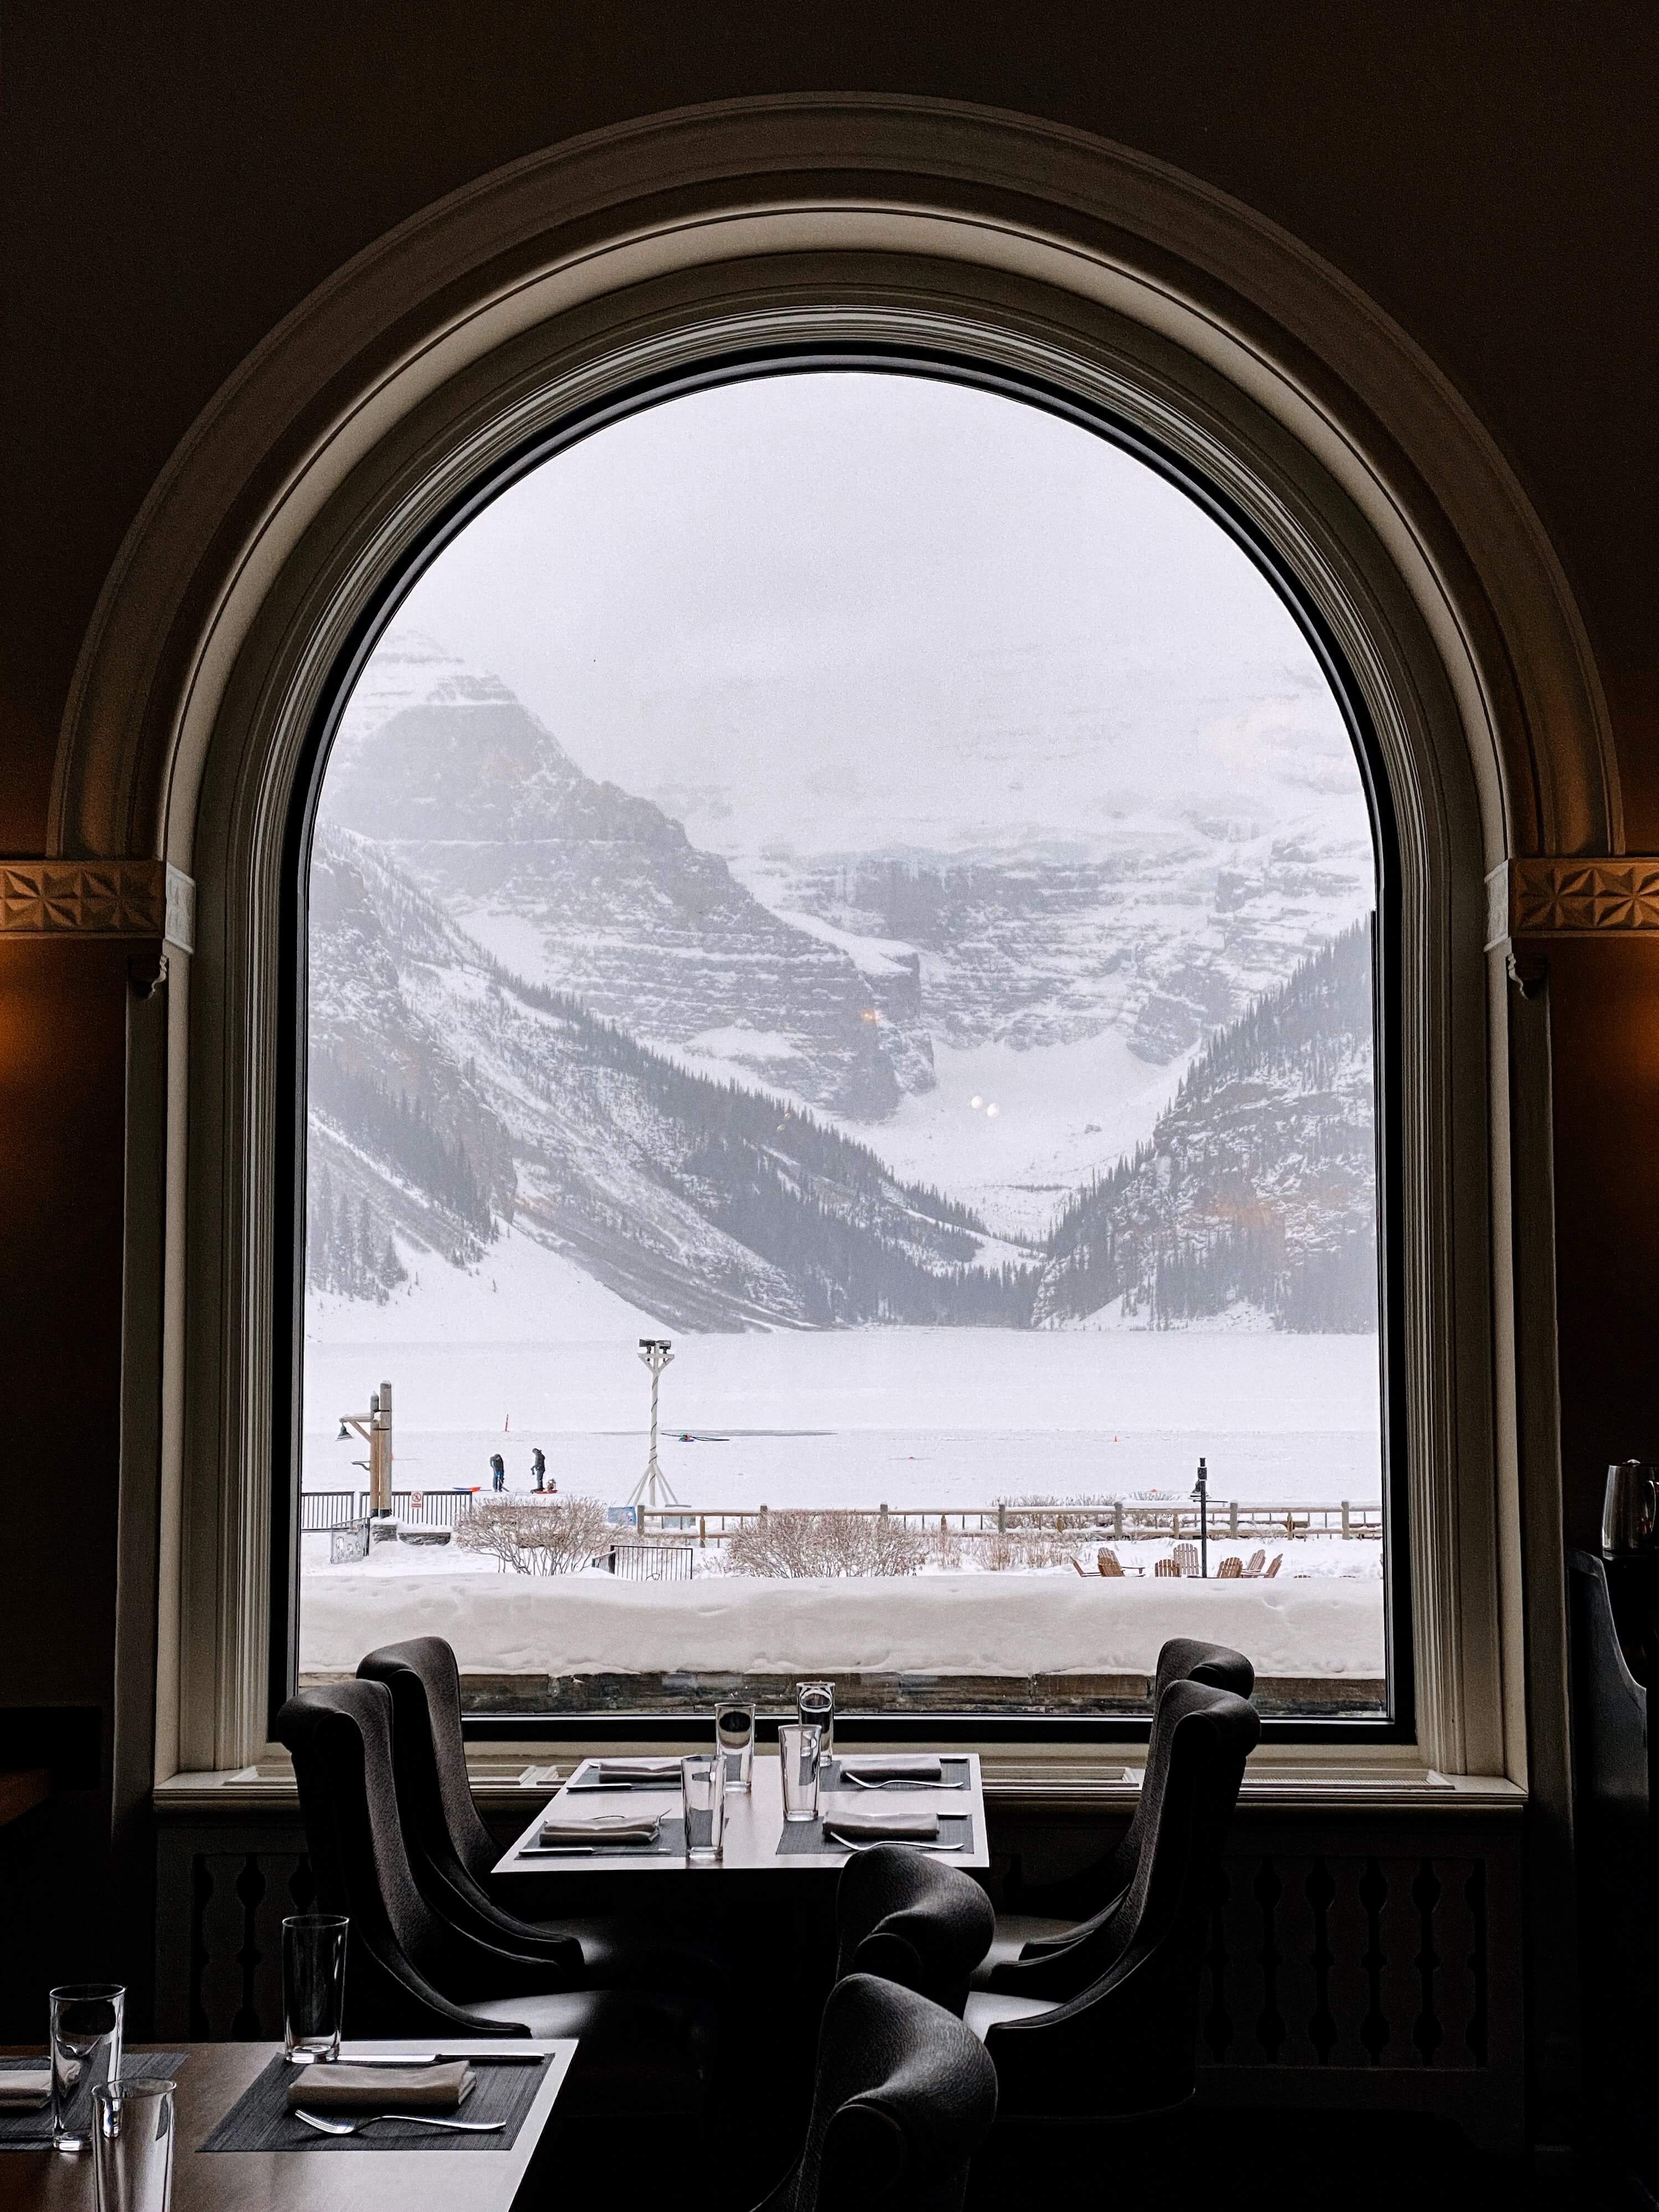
pixel 882 1827
pixel 900 1766
pixel 24 2088
pixel 637 1771
pixel 605 1828
pixel 344 2088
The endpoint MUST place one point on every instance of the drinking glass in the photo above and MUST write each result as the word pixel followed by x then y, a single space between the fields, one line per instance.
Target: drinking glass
pixel 314 1984
pixel 735 1736
pixel 801 1751
pixel 132 2145
pixel 703 1785
pixel 815 1707
pixel 86 2021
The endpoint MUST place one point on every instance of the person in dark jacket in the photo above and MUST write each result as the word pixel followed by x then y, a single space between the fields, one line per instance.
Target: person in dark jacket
pixel 497 1472
pixel 538 1467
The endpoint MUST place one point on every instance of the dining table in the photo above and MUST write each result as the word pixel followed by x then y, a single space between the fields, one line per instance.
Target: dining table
pixel 328 2176
pixel 756 1841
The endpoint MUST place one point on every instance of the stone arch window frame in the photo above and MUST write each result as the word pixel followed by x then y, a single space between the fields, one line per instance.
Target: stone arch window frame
pixel 786 222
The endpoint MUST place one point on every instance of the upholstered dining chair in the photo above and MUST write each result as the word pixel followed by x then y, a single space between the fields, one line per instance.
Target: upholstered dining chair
pixel 410 1973
pixel 451 1853
pixel 1128 2044
pixel 912 1920
pixel 1024 1937
pixel 903 2097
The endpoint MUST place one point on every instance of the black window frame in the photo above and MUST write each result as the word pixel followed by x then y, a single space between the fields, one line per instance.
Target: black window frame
pixel 1397 1724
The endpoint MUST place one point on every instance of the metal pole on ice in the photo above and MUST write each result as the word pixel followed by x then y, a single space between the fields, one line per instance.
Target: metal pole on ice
pixel 651 1489
pixel 1202 1492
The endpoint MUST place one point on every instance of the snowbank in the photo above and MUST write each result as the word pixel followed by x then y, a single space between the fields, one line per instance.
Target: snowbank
pixel 946 1624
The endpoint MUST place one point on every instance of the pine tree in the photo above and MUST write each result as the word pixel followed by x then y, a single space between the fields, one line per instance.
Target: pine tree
pixel 1258 1184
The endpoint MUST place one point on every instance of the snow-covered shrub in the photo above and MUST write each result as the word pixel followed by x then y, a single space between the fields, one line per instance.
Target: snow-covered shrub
pixel 1025 1547
pixel 945 1548
pixel 535 1535
pixel 793 1544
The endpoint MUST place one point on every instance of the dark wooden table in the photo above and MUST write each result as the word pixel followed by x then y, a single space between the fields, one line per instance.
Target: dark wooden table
pixel 214 2076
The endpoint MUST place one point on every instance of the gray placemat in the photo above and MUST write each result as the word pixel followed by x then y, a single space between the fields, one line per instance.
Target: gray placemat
pixel 808 1836
pixel 585 1783
pixel 670 1845
pixel 260 2120
pixel 33 2130
pixel 958 1774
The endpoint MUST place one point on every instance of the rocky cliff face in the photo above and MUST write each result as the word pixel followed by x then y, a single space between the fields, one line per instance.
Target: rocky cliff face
pixel 1170 937
pixel 584 888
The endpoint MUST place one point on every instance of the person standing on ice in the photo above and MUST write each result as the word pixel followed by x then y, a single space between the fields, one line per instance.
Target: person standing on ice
pixel 538 1467
pixel 497 1472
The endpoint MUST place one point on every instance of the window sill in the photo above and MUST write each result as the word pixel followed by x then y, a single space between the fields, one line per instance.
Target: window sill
pixel 1023 1778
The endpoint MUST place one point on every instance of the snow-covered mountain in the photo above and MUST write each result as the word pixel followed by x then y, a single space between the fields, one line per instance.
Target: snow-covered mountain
pixel 448 1097
pixel 733 1085
pixel 582 887
pixel 445 1093
pixel 1256 1192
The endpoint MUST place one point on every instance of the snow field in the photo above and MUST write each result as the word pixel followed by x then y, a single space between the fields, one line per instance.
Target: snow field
pixel 947 1624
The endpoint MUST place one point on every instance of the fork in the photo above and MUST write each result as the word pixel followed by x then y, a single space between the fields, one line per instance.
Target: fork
pixel 418 2119
pixel 898 1782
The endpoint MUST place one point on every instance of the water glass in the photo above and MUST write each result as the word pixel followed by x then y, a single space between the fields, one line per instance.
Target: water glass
pixel 815 1707
pixel 734 1737
pixel 87 2023
pixel 132 2145
pixel 703 1785
pixel 800 1752
pixel 313 1985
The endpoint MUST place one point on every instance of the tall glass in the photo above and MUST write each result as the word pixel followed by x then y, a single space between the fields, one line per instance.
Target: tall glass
pixel 703 1785
pixel 86 2021
pixel 735 1736
pixel 313 1985
pixel 800 1752
pixel 815 1707
pixel 133 2135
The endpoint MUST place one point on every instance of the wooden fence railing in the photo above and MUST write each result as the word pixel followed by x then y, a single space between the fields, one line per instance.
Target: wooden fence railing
pixel 1128 1521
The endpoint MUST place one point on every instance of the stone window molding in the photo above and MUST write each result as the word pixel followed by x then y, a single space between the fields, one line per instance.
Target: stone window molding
pixel 144 899
pixel 264 557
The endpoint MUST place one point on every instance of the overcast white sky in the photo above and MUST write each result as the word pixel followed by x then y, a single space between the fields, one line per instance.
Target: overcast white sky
pixel 845 608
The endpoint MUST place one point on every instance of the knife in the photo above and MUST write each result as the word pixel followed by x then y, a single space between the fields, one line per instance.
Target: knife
pixel 436 2059
pixel 576 1850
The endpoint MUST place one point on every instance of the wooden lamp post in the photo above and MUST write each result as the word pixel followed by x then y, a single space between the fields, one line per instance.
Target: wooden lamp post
pixel 375 1427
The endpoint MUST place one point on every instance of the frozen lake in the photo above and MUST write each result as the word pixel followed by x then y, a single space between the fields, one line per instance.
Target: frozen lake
pixel 909 1417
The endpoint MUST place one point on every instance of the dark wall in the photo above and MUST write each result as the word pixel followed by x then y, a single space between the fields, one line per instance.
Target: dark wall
pixel 63 1047
pixel 1604 1005
pixel 177 177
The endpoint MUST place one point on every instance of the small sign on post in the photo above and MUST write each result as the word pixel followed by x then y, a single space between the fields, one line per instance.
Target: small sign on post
pixel 348 1544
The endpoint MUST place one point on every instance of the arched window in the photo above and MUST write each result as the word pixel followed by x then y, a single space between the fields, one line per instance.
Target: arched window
pixel 841 1003
pixel 543 305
